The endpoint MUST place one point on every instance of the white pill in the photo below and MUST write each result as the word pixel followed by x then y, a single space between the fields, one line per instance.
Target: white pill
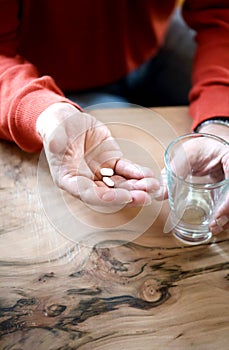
pixel 107 180
pixel 107 172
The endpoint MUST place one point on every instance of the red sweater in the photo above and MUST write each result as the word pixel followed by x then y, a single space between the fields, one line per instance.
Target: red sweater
pixel 49 46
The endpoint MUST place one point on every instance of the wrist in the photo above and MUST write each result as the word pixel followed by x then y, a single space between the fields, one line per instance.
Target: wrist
pixel 53 116
pixel 217 130
pixel 217 127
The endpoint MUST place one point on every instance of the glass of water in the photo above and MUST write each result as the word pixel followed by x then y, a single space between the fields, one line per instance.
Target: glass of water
pixel 196 186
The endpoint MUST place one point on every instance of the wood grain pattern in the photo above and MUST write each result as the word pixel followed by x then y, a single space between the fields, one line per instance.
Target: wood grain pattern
pixel 150 293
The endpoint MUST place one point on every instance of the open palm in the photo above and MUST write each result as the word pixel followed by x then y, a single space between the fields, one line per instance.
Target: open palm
pixel 78 148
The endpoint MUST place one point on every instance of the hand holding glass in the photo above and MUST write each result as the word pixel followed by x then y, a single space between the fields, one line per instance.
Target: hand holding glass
pixel 197 184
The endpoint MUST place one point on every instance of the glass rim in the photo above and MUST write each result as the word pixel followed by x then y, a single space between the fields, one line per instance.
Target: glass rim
pixel 189 136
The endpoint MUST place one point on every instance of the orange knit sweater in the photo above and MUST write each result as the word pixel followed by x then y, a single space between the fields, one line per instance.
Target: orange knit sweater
pixel 49 46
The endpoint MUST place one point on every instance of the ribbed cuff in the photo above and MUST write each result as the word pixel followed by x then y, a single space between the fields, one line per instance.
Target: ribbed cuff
pixel 23 123
pixel 213 102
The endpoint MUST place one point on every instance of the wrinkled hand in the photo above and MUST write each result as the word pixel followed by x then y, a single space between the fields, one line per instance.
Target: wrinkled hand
pixel 77 146
pixel 207 157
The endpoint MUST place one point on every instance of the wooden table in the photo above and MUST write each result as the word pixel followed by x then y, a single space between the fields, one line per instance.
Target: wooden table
pixel 150 292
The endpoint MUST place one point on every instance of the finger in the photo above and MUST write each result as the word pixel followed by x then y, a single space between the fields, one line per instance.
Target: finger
pixel 104 155
pixel 86 190
pixel 146 184
pixel 104 196
pixel 220 220
pixel 132 171
pixel 100 183
pixel 218 226
pixel 225 163
pixel 221 215
pixel 139 198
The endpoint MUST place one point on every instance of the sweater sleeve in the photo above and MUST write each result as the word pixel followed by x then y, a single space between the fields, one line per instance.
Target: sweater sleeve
pixel 23 94
pixel 209 96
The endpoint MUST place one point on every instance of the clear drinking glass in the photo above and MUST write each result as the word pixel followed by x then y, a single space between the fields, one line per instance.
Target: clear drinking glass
pixel 194 188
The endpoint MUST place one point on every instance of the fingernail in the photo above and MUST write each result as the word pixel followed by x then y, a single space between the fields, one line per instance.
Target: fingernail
pixel 128 201
pixel 216 229
pixel 148 201
pixel 223 220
